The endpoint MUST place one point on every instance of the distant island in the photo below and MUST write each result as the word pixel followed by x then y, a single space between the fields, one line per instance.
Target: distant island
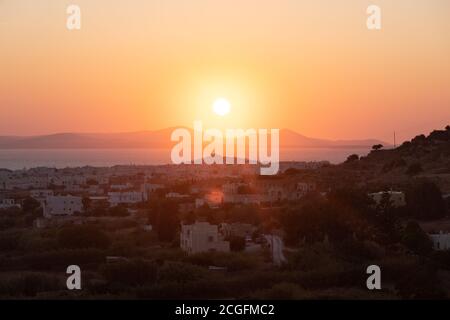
pixel 159 139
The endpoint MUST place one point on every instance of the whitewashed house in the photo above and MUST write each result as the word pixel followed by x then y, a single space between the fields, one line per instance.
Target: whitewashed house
pixel 151 187
pixel 202 237
pixel 397 198
pixel 128 197
pixel 69 181
pixel 62 206
pixel 41 194
pixel 121 187
pixel 441 241
pixel 242 198
pixel 8 203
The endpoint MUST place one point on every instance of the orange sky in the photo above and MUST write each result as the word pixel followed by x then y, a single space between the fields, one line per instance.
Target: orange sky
pixel 311 66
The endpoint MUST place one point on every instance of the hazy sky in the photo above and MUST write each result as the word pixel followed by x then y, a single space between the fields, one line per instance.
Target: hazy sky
pixel 311 66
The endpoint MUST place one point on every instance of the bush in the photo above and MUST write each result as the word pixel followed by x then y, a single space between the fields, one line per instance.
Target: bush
pixel 414 168
pixel 9 241
pixel 135 272
pixel 179 272
pixel 352 158
pixel 237 243
pixel 30 284
pixel 424 201
pixel 416 239
pixel 59 259
pixel 118 211
pixel 80 237
pixel 231 261
pixel 283 291
pixel 420 283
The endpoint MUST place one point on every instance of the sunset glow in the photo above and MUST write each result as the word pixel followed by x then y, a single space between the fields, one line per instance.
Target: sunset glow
pixel 310 66
pixel 221 106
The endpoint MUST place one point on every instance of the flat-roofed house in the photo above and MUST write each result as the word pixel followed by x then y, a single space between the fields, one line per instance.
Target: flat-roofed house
pixel 202 237
pixel 62 206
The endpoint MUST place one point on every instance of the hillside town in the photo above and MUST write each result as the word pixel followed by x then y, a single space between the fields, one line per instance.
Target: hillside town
pixel 309 231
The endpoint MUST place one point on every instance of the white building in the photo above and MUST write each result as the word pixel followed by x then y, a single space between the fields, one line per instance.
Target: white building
pixel 62 206
pixel 202 237
pixel 23 182
pixel 8 203
pixel 41 194
pixel 121 187
pixel 151 187
pixel 129 197
pixel 242 198
pixel 176 195
pixel 397 198
pixel 441 241
pixel 69 181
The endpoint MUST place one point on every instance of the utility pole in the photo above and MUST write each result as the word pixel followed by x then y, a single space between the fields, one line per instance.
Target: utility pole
pixel 395 142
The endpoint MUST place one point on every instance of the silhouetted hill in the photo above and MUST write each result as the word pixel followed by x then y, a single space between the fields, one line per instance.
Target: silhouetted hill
pixel 422 157
pixel 152 139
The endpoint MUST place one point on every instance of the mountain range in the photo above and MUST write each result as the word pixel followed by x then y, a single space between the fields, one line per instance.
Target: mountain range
pixel 155 139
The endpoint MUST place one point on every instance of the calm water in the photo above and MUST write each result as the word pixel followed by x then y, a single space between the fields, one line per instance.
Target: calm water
pixel 60 158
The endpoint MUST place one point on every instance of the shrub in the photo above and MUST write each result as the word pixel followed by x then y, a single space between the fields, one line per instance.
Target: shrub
pixel 135 272
pixel 179 272
pixel 424 201
pixel 283 291
pixel 414 168
pixel 421 283
pixel 59 259
pixel 416 239
pixel 237 243
pixel 30 284
pixel 79 237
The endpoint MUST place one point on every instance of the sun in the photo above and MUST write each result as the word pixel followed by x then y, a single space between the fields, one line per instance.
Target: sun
pixel 221 106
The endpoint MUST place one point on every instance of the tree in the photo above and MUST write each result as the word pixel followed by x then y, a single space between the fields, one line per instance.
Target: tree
pixel 377 147
pixel 30 205
pixel 352 158
pixel 179 273
pixel 163 215
pixel 132 273
pixel 118 211
pixel 416 239
pixel 386 218
pixel 81 237
pixel 414 168
pixel 424 201
pixel 237 243
pixel 86 203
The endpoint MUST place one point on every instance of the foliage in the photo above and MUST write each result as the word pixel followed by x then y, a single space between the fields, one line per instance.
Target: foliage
pixel 416 239
pixel 424 201
pixel 134 272
pixel 237 243
pixel 79 237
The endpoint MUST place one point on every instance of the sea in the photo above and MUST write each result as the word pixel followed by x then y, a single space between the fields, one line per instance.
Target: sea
pixel 15 159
